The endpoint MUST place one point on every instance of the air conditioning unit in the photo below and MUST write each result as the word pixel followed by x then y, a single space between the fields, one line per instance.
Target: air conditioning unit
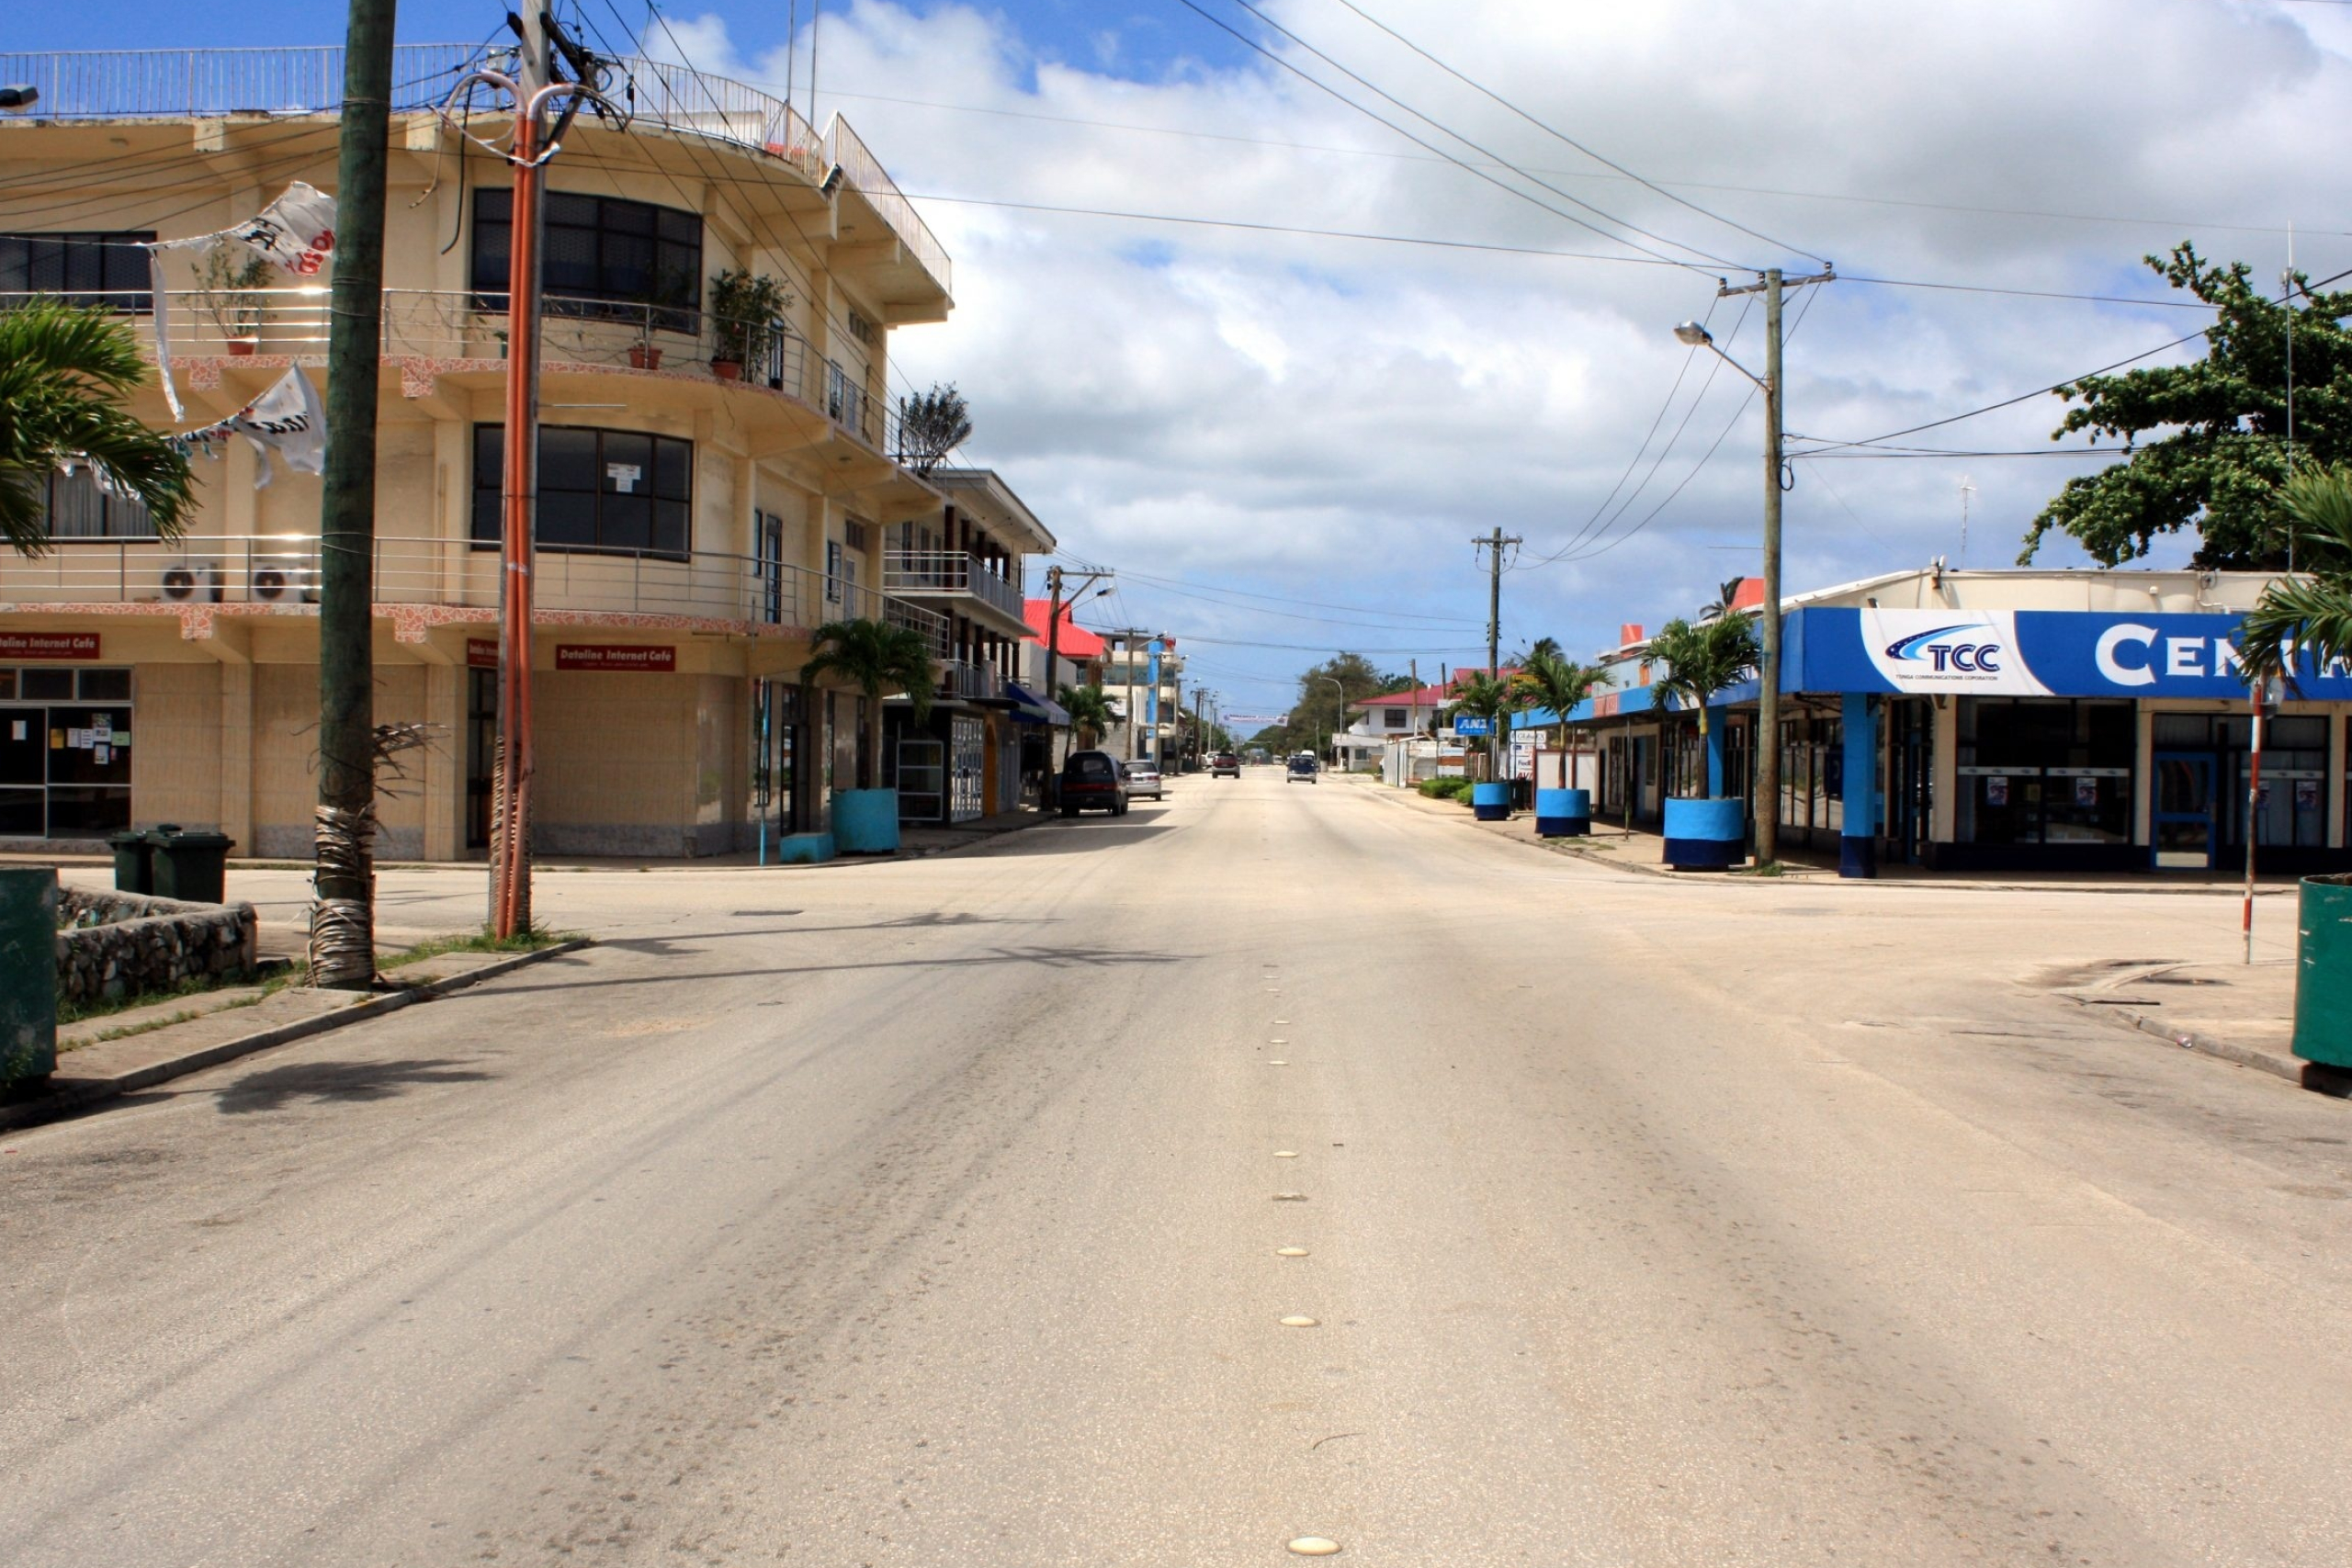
pixel 283 580
pixel 193 581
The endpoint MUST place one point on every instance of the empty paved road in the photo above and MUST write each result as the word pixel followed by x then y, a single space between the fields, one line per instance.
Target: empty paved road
pixel 930 1213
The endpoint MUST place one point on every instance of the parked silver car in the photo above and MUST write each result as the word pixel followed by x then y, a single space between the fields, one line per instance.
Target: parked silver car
pixel 1143 778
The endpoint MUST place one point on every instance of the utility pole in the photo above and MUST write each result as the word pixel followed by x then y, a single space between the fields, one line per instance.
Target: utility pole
pixel 1493 545
pixel 1768 702
pixel 1054 580
pixel 532 87
pixel 342 918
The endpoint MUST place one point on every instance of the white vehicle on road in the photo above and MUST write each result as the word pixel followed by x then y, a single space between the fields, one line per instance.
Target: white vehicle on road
pixel 1143 778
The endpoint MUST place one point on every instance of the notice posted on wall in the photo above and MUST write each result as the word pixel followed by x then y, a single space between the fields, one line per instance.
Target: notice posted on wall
pixel 1997 791
pixel 2307 794
pixel 2087 792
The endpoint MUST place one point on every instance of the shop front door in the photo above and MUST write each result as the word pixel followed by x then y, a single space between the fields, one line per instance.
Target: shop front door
pixel 2186 811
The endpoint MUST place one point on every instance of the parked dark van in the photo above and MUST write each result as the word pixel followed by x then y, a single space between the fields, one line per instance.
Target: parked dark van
pixel 1093 781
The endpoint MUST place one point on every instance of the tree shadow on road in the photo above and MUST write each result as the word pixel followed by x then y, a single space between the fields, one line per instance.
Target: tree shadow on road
pixel 1044 957
pixel 330 1083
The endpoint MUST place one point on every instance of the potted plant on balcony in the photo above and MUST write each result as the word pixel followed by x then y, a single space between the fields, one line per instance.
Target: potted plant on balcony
pixel 875 658
pixel 229 283
pixel 744 306
pixel 662 307
pixel 1696 661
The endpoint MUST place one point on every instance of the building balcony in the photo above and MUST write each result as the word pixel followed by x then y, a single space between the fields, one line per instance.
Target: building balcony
pixel 278 574
pixel 201 84
pixel 953 576
pixel 972 682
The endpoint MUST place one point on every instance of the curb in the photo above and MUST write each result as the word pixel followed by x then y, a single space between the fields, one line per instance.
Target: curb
pixel 51 1107
pixel 2294 1070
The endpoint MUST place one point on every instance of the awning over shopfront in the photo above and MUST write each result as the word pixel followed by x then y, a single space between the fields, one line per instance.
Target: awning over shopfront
pixel 1030 708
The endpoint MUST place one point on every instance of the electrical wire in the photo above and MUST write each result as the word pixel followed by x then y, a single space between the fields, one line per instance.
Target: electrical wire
pixel 2038 391
pixel 1191 134
pixel 1560 135
pixel 1472 169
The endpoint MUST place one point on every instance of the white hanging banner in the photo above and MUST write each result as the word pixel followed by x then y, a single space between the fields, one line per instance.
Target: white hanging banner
pixel 288 419
pixel 296 234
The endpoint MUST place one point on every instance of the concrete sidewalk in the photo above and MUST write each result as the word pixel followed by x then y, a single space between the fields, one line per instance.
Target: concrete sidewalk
pixel 112 1055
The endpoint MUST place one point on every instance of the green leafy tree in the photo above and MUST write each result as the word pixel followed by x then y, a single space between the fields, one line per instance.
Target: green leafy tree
pixel 2222 454
pixel 879 660
pixel 1321 707
pixel 1696 660
pixel 2308 617
pixel 64 376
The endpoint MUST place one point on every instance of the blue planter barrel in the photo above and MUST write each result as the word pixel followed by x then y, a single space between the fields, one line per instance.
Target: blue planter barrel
pixel 1563 813
pixel 865 821
pixel 2324 972
pixel 1705 835
pixel 1490 802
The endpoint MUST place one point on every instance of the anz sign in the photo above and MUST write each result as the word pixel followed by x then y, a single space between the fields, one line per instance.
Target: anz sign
pixel 2062 653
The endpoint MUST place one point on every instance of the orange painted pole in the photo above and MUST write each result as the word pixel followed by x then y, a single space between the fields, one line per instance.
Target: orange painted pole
pixel 512 904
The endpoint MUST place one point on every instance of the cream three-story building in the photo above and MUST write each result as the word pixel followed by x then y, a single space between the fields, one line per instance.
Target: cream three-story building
pixel 697 521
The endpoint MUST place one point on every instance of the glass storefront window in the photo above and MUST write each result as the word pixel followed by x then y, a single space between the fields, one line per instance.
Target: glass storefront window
pixel 2046 770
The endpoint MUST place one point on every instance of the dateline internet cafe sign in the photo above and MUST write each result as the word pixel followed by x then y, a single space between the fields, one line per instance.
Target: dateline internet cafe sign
pixel 48 645
pixel 627 658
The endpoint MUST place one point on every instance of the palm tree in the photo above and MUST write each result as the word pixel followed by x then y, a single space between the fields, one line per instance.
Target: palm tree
pixel 1702 659
pixel 2307 617
pixel 1484 697
pixel 64 375
pixel 877 658
pixel 1552 681
pixel 1089 715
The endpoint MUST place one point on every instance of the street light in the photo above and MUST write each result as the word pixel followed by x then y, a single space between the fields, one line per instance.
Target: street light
pixel 1332 733
pixel 1768 699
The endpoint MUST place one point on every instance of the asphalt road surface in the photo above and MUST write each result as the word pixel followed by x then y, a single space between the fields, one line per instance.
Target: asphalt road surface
pixel 935 1213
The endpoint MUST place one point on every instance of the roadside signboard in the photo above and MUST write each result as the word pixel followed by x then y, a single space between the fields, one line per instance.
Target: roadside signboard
pixel 1465 724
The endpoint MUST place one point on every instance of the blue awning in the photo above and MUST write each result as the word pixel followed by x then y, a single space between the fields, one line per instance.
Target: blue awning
pixel 1030 708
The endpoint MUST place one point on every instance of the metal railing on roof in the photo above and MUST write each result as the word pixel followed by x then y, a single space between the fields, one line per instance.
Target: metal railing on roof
pixel 159 83
pixel 864 171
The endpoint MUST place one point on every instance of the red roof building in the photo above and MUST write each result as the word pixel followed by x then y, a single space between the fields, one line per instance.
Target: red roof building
pixel 1075 642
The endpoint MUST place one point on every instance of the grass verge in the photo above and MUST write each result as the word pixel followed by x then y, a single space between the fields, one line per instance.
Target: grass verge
pixel 530 941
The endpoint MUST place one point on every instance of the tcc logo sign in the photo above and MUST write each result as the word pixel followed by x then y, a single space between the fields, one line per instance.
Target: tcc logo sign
pixel 1932 649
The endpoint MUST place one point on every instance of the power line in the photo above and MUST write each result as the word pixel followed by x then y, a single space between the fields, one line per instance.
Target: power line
pixel 1467 168
pixel 1554 131
pixel 1190 133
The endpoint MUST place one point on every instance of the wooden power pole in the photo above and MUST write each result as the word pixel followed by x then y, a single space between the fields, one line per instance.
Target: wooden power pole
pixel 342 918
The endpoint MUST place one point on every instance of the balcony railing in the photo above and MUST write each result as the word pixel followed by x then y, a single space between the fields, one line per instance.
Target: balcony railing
pixel 931 573
pixel 962 678
pixel 450 324
pixel 173 83
pixel 283 570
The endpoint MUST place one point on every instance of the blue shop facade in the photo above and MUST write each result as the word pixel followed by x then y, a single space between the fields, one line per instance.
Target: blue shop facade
pixel 1979 721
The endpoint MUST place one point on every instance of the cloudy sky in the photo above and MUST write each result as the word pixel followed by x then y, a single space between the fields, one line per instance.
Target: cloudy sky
pixel 1286 438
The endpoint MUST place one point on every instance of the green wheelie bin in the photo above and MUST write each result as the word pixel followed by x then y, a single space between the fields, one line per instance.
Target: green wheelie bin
pixel 191 865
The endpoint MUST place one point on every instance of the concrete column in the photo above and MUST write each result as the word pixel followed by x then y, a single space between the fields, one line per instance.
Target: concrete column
pixel 2143 778
pixel 1858 846
pixel 1945 824
pixel 237 756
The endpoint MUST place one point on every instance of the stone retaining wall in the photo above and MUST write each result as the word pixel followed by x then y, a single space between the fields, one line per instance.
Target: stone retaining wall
pixel 147 944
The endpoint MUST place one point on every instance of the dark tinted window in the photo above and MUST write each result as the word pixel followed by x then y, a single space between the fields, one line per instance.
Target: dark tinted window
pixel 79 509
pixel 597 249
pixel 609 490
pixel 1091 765
pixel 97 268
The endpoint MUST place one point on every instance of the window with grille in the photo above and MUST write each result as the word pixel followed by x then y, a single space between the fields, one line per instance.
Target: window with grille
pixel 599 490
pixel 596 251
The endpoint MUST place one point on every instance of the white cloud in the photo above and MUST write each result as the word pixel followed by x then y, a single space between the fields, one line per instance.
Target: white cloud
pixel 1334 418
